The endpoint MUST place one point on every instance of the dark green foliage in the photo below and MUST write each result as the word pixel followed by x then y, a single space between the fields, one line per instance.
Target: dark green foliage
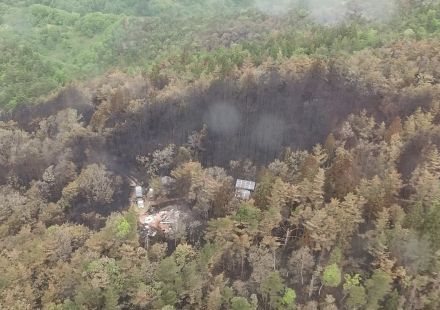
pixel 377 288
pixel 73 40
pixel 432 225
pixel 240 303
pixel 249 216
pixel 357 297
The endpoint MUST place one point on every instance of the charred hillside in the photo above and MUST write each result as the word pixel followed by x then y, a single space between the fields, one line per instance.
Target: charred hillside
pixel 251 115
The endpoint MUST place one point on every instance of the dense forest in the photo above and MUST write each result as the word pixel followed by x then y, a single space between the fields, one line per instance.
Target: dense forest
pixel 331 107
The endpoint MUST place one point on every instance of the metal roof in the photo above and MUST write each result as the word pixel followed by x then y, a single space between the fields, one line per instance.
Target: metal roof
pixel 138 191
pixel 243 194
pixel 245 184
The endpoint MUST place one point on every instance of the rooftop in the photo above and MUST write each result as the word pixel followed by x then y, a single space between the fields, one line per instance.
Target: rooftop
pixel 138 191
pixel 245 184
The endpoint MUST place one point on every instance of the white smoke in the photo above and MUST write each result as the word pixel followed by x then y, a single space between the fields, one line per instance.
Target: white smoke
pixel 271 7
pixel 327 12
pixel 223 118
pixel 268 132
pixel 377 9
pixel 330 12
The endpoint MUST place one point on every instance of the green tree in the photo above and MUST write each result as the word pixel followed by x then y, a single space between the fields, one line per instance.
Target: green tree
pixel 289 298
pixel 249 216
pixel 357 297
pixel 331 276
pixel 123 228
pixel 378 286
pixel 240 303
pixel 272 288
pixel 170 280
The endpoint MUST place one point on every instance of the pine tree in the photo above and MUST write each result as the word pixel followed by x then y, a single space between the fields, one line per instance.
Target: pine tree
pixel 271 288
pixel 240 303
pixel 323 228
pixel 432 160
pixel 394 129
pixel 330 147
pixel 378 286
pixel 320 154
pixel 312 192
pixel 349 213
pixel 214 299
pixel 331 276
pixel 343 176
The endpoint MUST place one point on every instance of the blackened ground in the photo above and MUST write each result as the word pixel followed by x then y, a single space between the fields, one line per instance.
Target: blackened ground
pixel 256 124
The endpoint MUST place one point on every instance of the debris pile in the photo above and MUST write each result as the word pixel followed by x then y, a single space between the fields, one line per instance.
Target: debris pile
pixel 168 222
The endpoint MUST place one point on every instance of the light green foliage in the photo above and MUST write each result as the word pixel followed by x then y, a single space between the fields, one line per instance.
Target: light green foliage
pixel 42 15
pixel 227 295
pixel 289 297
pixel 351 281
pixel 354 289
pixel 123 228
pixel 95 23
pixel 331 276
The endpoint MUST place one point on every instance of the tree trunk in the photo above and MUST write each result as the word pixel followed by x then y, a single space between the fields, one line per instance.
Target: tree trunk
pixel 274 260
pixel 242 265
pixel 315 274
pixel 311 286
pixel 301 272
pixel 287 237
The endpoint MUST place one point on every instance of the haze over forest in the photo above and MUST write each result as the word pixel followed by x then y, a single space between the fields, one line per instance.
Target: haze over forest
pixel 331 107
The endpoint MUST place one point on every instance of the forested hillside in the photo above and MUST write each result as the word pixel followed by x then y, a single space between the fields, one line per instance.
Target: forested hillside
pixel 46 45
pixel 331 107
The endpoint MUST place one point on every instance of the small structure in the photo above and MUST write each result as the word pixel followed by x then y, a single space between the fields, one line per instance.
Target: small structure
pixel 167 222
pixel 139 197
pixel 138 191
pixel 140 203
pixel 243 189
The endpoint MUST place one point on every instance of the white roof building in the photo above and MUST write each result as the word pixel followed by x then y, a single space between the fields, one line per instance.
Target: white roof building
pixel 245 184
pixel 138 191
pixel 243 189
